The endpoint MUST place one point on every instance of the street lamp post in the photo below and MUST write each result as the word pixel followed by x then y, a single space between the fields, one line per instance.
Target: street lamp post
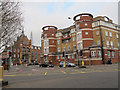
pixel 101 43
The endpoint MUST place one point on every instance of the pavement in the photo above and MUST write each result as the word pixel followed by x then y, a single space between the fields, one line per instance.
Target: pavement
pixel 35 76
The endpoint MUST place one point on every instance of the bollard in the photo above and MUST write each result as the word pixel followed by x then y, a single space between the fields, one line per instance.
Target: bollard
pixel 63 64
pixel 1 73
pixel 82 63
pixel 25 65
pixel 3 83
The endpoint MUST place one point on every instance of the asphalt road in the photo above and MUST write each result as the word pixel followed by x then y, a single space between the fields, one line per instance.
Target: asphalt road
pixel 97 76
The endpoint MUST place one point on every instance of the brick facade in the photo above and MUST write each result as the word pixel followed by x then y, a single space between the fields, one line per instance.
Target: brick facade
pixel 87 34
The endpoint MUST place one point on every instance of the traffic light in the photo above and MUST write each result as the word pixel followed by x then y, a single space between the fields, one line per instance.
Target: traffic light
pixel 81 52
pixel 77 51
pixel 63 54
pixel 10 53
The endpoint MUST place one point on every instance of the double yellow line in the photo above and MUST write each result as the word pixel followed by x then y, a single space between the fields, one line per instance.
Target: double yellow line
pixel 29 74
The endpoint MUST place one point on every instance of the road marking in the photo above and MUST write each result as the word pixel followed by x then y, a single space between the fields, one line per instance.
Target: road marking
pixel 19 75
pixel 99 71
pixel 82 72
pixel 74 73
pixel 45 73
pixel 9 75
pixel 20 70
pixel 76 70
pixel 116 69
pixel 63 72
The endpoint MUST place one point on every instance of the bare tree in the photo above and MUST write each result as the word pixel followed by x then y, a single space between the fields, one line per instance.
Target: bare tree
pixel 10 22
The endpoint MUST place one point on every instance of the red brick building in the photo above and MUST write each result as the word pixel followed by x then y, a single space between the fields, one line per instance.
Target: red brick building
pixel 23 52
pixel 49 44
pixel 35 54
pixel 97 38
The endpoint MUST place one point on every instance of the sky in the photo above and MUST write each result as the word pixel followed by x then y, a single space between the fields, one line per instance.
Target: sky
pixel 38 14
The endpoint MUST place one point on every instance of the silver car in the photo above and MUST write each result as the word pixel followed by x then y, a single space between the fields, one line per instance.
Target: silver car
pixel 67 64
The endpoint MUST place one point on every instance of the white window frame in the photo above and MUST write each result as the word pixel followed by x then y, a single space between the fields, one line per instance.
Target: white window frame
pixel 72 55
pixel 106 33
pixel 52 34
pixel 97 32
pixel 108 52
pixel 14 55
pixel 98 42
pixel 58 49
pixel 61 57
pixel 45 35
pixel 119 53
pixel 68 47
pixel 58 42
pixel 18 55
pixel 93 54
pixel 86 24
pixel 107 43
pixel 110 34
pixel 99 53
pixel 113 54
pixel 14 50
pixel 18 50
pixel 73 39
pixel 117 35
pixel 86 33
pixel 68 56
pixel 74 47
pixel 52 41
pixel 64 49
pixel 57 57
pixel 96 24
pixel 111 43
pixel 118 44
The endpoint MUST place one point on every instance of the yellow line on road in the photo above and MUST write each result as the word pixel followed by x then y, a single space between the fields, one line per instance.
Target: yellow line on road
pixel 45 73
pixel 18 75
pixel 76 70
pixel 9 75
pixel 63 72
pixel 74 73
pixel 82 72
pixel 99 71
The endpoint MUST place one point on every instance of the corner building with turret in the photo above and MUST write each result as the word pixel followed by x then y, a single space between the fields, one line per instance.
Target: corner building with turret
pixel 92 40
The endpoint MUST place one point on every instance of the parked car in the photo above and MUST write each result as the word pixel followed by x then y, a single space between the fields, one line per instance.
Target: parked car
pixel 51 65
pixel 29 64
pixel 36 63
pixel 46 65
pixel 68 64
